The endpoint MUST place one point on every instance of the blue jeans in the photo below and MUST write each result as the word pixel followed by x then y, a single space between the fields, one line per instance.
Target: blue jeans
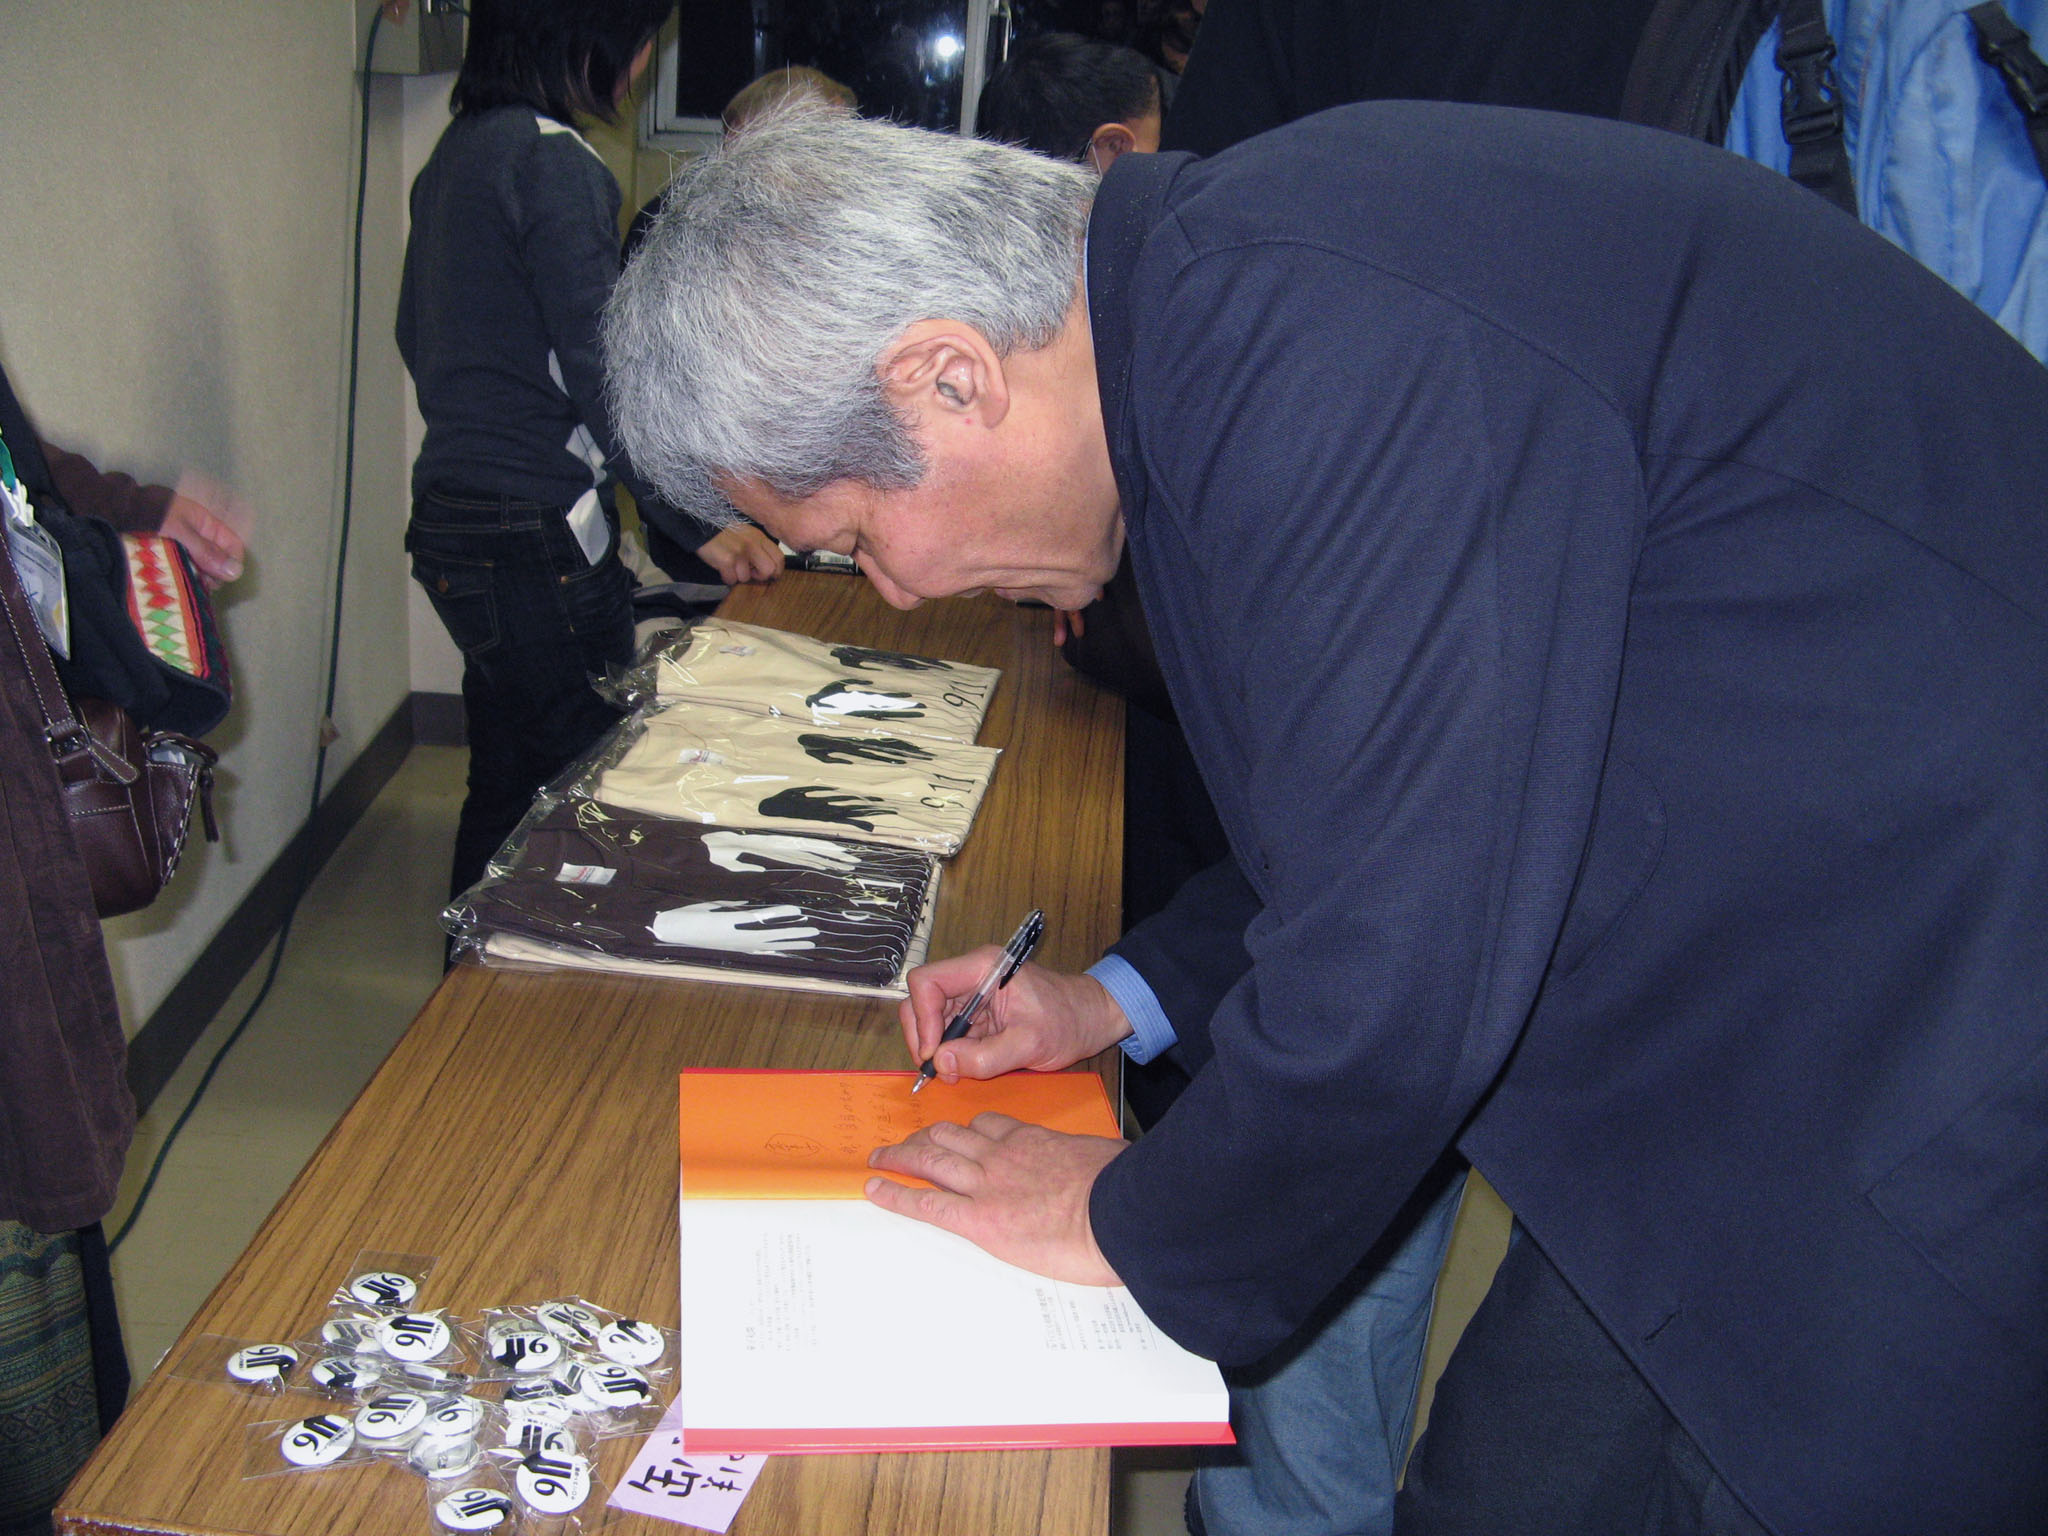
pixel 1322 1426
pixel 535 621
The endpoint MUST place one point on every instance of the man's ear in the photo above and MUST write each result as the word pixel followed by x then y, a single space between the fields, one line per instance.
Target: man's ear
pixel 1107 142
pixel 947 368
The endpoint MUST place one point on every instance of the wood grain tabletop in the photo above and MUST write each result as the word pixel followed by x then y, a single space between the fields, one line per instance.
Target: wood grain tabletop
pixel 522 1133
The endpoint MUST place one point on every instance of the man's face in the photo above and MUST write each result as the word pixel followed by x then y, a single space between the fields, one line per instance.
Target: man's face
pixel 1018 496
pixel 948 537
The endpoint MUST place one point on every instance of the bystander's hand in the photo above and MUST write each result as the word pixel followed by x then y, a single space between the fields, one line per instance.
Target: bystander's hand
pixel 212 523
pixel 1042 1021
pixel 742 553
pixel 1018 1190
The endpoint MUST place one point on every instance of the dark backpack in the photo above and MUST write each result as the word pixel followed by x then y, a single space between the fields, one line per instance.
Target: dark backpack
pixel 1926 119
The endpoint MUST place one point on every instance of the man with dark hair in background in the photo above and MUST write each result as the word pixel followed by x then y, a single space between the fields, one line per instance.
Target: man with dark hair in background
pixel 1073 98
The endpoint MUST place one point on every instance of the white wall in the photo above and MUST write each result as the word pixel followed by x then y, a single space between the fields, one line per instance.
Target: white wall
pixel 178 187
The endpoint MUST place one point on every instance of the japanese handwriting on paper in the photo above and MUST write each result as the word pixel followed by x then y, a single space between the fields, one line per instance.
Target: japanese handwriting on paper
pixel 699 1489
pixel 679 1479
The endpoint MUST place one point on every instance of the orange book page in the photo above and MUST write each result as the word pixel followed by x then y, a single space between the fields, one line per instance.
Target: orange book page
pixel 807 1135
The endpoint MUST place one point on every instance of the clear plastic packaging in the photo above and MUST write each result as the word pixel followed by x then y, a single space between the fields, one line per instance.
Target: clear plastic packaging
pixel 714 764
pixel 343 1376
pixel 573 1320
pixel 643 1345
pixel 614 1399
pixel 480 1500
pixel 582 883
pixel 419 1339
pixel 819 682
pixel 457 1434
pixel 521 1437
pixel 254 1367
pixel 551 1488
pixel 512 1342
pixel 378 1280
pixel 388 1422
pixel 310 1443
pixel 540 1400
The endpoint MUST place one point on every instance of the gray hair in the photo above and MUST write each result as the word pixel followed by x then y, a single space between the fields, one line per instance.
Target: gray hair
pixel 742 340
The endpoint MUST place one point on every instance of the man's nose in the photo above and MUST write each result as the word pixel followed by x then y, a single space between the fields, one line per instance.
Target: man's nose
pixel 892 594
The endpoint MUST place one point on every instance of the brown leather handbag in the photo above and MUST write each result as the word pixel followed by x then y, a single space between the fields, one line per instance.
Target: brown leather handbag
pixel 128 792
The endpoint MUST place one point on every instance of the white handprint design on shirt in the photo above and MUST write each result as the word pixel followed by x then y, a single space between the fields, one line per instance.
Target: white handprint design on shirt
pixel 736 926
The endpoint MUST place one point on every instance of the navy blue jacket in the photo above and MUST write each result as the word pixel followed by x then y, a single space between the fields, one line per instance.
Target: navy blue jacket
pixel 1606 591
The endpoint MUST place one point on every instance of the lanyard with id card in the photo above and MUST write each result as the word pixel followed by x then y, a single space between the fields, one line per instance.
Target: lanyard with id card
pixel 37 560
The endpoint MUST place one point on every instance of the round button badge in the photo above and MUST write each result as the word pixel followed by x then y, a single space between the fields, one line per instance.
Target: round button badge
pixel 384 1288
pixel 530 1437
pixel 522 1349
pixel 391 1416
pixel 454 1418
pixel 437 1456
pixel 350 1332
pixel 553 1485
pixel 342 1373
pixel 545 1401
pixel 569 1321
pixel 263 1362
pixel 631 1342
pixel 611 1386
pixel 474 1509
pixel 414 1336
pixel 319 1441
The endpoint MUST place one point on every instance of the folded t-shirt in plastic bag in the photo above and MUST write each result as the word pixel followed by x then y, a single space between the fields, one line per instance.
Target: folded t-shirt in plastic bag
pixel 725 767
pixel 773 672
pixel 590 878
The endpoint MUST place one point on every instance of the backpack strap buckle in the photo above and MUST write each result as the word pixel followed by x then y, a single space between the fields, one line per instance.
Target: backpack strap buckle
pixel 2006 49
pixel 1812 107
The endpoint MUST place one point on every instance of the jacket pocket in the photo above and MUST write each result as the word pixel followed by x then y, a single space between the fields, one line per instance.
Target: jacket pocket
pixel 1973 1201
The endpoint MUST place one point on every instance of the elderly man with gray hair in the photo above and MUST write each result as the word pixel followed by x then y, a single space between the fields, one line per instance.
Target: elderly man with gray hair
pixel 1619 660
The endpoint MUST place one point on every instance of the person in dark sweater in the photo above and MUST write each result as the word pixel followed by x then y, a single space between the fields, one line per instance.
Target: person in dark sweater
pixel 513 252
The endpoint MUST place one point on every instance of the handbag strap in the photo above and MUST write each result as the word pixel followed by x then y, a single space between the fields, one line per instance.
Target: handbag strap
pixel 71 743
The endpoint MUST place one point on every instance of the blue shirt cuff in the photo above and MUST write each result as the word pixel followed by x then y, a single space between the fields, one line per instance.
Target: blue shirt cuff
pixel 1150 1032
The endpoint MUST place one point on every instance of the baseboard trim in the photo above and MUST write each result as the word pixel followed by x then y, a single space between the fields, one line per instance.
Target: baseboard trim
pixel 438 720
pixel 160 1046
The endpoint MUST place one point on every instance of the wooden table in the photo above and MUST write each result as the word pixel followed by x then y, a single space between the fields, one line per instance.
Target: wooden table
pixel 523 1132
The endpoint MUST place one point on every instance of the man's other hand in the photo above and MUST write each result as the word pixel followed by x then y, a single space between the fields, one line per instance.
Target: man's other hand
pixel 1018 1190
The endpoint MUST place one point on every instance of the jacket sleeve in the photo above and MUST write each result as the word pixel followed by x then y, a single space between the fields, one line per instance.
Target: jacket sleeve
pixel 1192 953
pixel 112 498
pixel 569 208
pixel 1387 549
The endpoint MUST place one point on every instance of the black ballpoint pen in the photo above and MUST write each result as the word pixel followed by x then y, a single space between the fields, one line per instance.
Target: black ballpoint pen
pixel 1014 954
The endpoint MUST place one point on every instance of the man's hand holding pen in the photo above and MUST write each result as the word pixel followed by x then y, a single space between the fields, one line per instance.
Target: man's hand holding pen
pixel 1041 1022
pixel 1019 1191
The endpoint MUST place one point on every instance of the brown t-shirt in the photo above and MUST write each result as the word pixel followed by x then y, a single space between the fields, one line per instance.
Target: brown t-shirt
pixel 591 877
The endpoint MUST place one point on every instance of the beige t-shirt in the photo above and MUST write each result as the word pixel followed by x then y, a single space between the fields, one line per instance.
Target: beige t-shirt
pixel 707 763
pixel 773 672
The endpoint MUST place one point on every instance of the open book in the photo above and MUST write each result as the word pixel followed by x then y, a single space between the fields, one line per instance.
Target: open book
pixel 815 1321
